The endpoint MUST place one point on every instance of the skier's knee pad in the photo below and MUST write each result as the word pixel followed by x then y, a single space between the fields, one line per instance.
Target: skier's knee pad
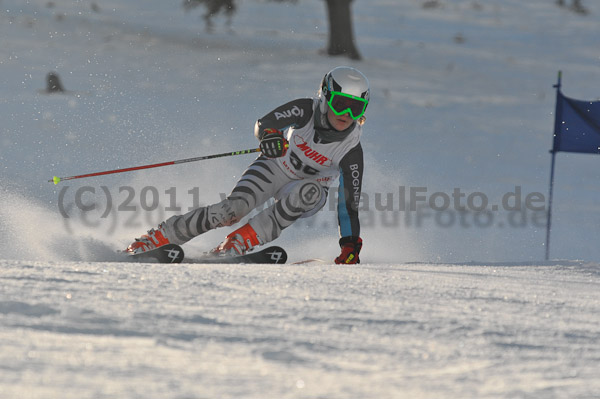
pixel 311 193
pixel 307 196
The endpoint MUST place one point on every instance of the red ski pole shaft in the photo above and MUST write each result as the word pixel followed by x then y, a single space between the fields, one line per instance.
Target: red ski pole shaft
pixel 57 180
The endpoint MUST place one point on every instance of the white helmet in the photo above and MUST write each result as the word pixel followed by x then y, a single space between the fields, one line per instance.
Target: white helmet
pixel 345 90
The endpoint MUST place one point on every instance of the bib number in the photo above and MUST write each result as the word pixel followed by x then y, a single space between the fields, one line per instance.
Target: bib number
pixel 299 165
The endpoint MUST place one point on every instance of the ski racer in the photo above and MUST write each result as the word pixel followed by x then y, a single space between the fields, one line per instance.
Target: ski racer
pixel 296 168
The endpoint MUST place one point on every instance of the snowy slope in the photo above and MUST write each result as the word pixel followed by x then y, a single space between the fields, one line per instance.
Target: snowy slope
pixel 116 330
pixel 448 303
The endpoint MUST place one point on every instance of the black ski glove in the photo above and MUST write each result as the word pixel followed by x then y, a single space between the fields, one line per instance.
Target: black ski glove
pixel 273 144
pixel 351 247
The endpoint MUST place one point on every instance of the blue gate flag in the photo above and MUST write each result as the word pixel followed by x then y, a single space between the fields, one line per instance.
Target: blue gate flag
pixel 577 125
pixel 576 129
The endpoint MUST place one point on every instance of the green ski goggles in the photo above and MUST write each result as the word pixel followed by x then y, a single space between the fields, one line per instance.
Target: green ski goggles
pixel 341 103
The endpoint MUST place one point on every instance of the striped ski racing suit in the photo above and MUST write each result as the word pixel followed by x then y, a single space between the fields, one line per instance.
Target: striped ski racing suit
pixel 299 181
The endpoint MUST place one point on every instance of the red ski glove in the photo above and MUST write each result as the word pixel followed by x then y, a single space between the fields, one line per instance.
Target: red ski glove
pixel 273 144
pixel 351 247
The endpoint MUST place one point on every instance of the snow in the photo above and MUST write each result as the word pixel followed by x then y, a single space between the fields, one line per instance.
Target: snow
pixel 313 331
pixel 452 303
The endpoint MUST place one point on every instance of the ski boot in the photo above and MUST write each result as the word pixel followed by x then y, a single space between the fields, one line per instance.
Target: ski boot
pixel 238 242
pixel 154 239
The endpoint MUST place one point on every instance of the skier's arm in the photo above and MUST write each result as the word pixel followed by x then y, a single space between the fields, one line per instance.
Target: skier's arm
pixel 351 173
pixel 296 113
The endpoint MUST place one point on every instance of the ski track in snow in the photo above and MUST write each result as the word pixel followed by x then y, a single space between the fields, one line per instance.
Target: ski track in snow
pixel 93 330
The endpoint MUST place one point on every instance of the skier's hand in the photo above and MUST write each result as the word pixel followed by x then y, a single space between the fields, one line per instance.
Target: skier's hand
pixel 350 249
pixel 273 144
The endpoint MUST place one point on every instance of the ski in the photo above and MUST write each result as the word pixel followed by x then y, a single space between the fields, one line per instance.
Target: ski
pixel 170 253
pixel 309 261
pixel 274 254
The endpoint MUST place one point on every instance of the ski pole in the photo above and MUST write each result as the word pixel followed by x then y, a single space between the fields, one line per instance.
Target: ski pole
pixel 57 179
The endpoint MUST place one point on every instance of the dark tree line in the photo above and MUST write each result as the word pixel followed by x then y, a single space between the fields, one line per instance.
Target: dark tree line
pixel 339 13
